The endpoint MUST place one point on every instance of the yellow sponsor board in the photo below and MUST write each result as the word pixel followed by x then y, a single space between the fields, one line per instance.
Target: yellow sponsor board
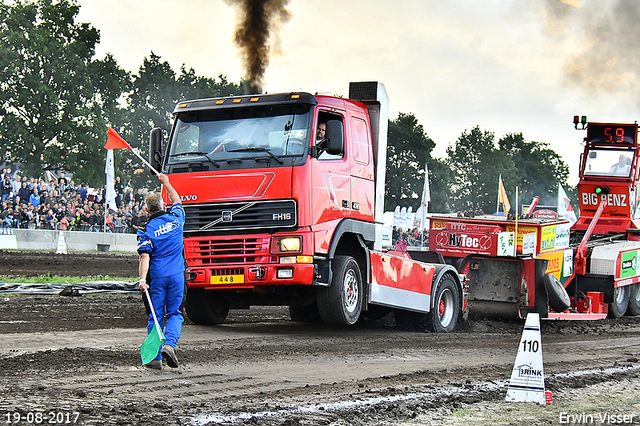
pixel 522 230
pixel 548 239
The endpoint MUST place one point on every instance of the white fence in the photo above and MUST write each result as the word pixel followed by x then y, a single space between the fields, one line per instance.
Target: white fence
pixel 41 239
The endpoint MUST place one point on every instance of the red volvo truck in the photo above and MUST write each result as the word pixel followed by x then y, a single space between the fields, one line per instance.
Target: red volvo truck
pixel 540 263
pixel 278 213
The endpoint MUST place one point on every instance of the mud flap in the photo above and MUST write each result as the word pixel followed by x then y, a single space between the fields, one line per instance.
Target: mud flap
pixel 541 303
pixel 492 285
pixel 323 273
pixel 505 286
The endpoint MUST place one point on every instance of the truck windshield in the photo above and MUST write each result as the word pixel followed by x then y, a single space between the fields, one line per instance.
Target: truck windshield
pixel 608 162
pixel 241 133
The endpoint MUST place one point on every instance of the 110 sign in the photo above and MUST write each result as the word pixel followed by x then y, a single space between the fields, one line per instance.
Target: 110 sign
pixel 530 346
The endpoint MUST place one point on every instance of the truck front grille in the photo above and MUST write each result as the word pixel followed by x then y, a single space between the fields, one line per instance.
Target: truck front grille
pixel 227 271
pixel 230 250
pixel 203 219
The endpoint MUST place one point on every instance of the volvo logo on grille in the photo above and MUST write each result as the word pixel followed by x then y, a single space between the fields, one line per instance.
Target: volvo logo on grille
pixel 227 216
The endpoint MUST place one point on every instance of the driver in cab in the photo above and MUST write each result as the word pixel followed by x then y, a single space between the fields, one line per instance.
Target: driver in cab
pixel 622 167
pixel 321 132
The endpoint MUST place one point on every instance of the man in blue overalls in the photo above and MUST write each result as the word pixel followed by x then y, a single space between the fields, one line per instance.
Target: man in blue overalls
pixel 160 246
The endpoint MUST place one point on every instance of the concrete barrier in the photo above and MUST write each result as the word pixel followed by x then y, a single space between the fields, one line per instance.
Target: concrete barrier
pixel 42 239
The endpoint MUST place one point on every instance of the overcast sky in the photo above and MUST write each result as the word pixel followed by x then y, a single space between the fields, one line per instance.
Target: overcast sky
pixel 507 66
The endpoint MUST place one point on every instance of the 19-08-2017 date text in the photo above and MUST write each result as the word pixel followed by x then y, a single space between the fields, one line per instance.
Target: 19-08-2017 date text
pixel 40 417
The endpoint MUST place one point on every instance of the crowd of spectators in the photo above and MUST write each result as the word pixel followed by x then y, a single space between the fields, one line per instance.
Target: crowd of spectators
pixel 413 237
pixel 58 203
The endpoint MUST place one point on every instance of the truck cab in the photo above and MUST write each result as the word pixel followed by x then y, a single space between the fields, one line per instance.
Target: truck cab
pixel 278 213
pixel 609 172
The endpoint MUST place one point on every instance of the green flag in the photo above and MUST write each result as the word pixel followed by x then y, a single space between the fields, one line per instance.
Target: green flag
pixel 151 345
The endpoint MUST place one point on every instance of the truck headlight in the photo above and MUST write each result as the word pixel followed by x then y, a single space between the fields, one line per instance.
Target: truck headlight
pixel 289 244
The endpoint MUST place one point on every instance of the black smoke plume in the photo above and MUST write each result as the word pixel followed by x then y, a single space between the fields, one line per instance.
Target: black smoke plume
pixel 257 25
pixel 608 58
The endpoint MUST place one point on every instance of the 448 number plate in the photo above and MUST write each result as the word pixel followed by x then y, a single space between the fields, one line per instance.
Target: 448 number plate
pixel 227 279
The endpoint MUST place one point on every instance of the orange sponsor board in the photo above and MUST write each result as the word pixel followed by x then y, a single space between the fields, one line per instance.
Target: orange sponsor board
pixel 560 264
pixel 438 224
pixel 522 230
pixel 555 262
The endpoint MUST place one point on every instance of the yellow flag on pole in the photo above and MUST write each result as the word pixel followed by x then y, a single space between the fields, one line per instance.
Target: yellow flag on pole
pixel 502 197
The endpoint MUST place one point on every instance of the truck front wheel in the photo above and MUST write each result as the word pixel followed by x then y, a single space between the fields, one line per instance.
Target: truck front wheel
pixel 206 307
pixel 618 307
pixel 341 302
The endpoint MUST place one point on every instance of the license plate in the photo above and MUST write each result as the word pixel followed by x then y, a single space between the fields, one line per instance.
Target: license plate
pixel 227 279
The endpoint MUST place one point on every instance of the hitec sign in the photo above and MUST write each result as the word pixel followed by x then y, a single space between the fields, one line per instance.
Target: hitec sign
pixel 461 243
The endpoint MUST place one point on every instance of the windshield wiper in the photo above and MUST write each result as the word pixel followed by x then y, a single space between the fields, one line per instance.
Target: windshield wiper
pixel 259 149
pixel 206 154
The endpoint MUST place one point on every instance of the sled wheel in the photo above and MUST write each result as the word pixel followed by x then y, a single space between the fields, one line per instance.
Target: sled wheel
pixel 558 297
pixel 446 308
pixel 634 300
pixel 618 307
pixel 341 302
pixel 206 307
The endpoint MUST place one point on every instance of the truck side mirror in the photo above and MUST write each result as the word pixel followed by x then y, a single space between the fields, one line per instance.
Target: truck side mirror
pixel 155 148
pixel 335 137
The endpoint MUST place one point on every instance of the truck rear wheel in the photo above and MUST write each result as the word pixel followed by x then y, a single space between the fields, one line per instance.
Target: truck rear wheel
pixel 559 299
pixel 634 300
pixel 446 308
pixel 206 307
pixel 341 302
pixel 442 318
pixel 620 303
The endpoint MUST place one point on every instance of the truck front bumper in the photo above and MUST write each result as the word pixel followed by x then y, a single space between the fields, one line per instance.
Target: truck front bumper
pixel 251 276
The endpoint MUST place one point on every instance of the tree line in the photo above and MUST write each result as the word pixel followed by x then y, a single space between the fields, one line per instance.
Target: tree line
pixel 57 100
pixel 467 179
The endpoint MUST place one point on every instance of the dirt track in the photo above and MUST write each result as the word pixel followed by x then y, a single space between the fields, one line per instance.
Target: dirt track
pixel 80 355
pixel 32 263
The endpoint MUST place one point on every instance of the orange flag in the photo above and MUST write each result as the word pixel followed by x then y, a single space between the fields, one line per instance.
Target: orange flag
pixel 502 197
pixel 114 141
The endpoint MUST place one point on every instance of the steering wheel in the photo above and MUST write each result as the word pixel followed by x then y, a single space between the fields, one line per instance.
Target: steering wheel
pixel 294 146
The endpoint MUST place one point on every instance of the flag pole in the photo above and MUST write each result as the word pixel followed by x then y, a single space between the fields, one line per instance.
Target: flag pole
pixel 516 236
pixel 115 141
pixel 498 201
pixel 146 162
pixel 109 171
